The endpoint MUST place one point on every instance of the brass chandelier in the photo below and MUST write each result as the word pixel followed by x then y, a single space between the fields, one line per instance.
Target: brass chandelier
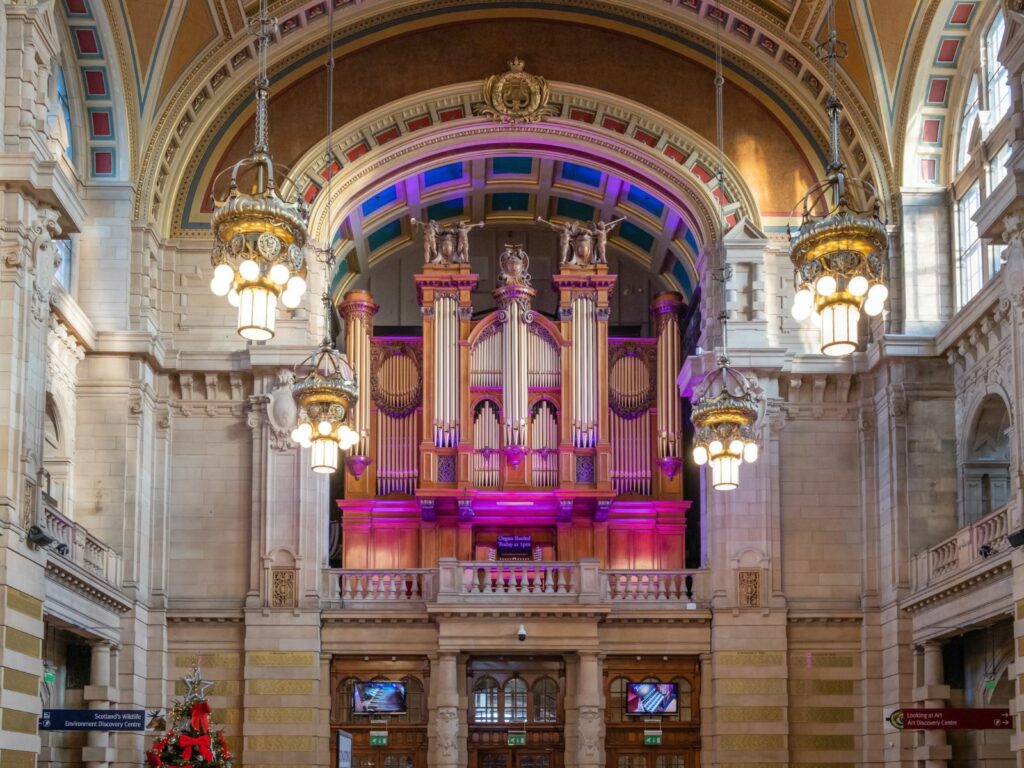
pixel 327 391
pixel 839 252
pixel 259 238
pixel 727 409
pixel 325 395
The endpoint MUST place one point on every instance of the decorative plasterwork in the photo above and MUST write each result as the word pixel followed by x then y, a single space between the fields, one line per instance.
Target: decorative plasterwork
pixel 969 583
pixel 210 394
pixel 176 127
pixel 104 595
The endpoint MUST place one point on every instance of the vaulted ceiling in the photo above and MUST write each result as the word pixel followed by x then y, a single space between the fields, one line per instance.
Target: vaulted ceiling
pixel 174 76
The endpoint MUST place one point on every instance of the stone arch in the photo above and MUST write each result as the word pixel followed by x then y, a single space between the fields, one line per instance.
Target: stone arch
pixel 986 458
pixel 177 148
pixel 93 62
pixel 925 127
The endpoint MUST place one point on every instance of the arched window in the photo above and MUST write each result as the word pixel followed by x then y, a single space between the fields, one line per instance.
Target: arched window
pixel 485 700
pixel 515 701
pixel 684 704
pixel 343 696
pixel 997 78
pixel 545 701
pixel 986 466
pixel 617 699
pixel 968 122
pixel 55 458
pixel 413 701
pixel 64 105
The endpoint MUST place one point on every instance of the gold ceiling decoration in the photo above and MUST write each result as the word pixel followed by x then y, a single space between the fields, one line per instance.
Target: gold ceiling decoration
pixel 516 96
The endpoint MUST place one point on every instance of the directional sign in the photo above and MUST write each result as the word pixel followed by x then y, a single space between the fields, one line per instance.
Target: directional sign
pixel 517 738
pixel 378 738
pixel 93 720
pixel 652 738
pixel 951 719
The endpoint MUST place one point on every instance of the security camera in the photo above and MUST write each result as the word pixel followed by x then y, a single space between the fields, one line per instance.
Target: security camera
pixel 62 549
pixel 522 633
pixel 39 538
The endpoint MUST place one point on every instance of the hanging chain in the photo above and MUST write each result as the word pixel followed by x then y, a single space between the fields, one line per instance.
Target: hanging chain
pixel 263 28
pixel 831 51
pixel 723 272
pixel 327 254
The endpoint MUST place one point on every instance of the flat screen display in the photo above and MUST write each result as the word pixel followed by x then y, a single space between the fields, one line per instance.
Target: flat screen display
pixel 378 698
pixel 515 547
pixel 652 699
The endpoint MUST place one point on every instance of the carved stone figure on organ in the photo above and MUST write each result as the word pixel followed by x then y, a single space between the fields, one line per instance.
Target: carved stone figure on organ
pixel 582 245
pixel 599 230
pixel 446 245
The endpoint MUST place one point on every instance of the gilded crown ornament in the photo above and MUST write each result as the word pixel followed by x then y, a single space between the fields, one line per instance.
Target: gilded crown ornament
pixel 516 96
pixel 259 238
pixel 839 251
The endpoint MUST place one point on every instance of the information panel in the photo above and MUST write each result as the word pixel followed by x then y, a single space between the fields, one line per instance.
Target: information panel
pixel 515 547
pixel 93 720
pixel 950 719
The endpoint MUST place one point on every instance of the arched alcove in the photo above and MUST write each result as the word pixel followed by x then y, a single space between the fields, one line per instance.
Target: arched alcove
pixel 985 470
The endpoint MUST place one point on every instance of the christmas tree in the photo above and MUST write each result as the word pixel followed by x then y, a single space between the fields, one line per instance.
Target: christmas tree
pixel 189 741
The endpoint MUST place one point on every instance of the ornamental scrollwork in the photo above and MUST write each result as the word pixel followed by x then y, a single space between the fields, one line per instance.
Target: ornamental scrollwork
pixel 516 96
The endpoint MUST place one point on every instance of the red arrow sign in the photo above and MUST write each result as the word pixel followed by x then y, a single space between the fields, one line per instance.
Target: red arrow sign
pixel 950 719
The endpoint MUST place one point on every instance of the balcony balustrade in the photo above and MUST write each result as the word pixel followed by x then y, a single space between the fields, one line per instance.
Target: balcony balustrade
pixel 83 549
pixel 497 583
pixel 980 541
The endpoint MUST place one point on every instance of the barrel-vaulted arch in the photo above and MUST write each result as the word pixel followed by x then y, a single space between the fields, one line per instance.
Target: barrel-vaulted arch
pixel 775 126
pixel 560 168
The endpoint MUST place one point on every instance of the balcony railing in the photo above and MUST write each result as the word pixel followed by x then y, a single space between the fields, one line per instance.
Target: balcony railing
pixel 979 541
pixel 83 549
pixel 536 582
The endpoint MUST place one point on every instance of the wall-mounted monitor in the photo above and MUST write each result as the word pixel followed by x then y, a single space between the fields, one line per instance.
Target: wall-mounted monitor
pixel 378 698
pixel 652 699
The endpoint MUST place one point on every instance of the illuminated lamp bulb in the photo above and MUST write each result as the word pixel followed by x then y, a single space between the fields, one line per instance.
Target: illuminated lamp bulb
pixel 878 293
pixel 256 312
pixel 804 296
pixel 224 273
pixel 297 435
pixel 715 448
pixel 249 270
pixel 801 311
pixel 233 298
pixel 220 287
pixel 296 285
pixel 305 430
pixel 858 285
pixel 826 285
pixel 873 308
pixel 725 473
pixel 839 328
pixel 291 300
pixel 279 274
pixel 324 428
pixel 700 455
pixel 750 451
pixel 736 447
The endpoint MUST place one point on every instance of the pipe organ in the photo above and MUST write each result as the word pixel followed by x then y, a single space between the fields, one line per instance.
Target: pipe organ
pixel 516 409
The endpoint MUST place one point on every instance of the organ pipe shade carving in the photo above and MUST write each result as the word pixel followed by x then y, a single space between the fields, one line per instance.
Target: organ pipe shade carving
pixel 397 392
pixel 513 296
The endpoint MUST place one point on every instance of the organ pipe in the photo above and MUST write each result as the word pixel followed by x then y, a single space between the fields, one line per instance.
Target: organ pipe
pixel 584 369
pixel 397 395
pixel 486 442
pixel 543 445
pixel 666 308
pixel 446 371
pixel 358 309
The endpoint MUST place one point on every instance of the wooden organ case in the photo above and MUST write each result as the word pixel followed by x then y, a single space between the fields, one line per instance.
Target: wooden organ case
pixel 515 424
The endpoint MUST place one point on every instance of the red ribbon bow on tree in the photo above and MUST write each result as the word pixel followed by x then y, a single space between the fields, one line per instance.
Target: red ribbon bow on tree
pixel 202 743
pixel 201 716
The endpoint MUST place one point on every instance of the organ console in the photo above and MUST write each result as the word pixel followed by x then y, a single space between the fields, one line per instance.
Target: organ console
pixel 515 422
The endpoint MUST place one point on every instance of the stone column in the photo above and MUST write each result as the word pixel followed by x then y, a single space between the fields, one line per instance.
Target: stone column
pixel 589 722
pixel 99 694
pixel 444 726
pixel 934 750
pixel 707 710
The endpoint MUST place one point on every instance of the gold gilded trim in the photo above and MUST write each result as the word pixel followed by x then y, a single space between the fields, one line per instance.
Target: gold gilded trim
pixel 209 661
pixel 281 659
pixel 750 714
pixel 279 715
pixel 279 743
pixel 757 685
pixel 831 742
pixel 821 687
pixel 750 659
pixel 741 742
pixel 821 714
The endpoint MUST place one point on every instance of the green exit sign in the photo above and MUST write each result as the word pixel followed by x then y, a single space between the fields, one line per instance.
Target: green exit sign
pixel 378 738
pixel 517 738
pixel 652 738
pixel 49 675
